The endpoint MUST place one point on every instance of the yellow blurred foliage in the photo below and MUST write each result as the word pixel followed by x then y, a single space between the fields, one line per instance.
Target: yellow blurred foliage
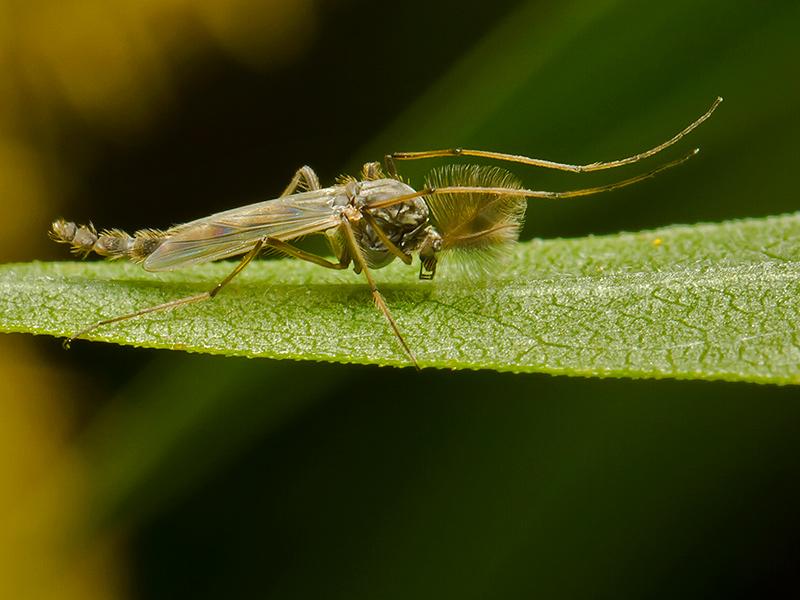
pixel 259 33
pixel 110 64
pixel 24 192
pixel 109 60
pixel 43 489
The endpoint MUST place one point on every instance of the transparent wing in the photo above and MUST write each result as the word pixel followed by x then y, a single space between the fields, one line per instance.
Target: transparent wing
pixel 236 231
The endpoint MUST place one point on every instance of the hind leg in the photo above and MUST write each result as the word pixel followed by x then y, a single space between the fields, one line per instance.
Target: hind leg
pixel 207 295
pixel 304 179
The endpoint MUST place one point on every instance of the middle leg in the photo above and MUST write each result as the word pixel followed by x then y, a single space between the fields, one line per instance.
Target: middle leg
pixel 287 248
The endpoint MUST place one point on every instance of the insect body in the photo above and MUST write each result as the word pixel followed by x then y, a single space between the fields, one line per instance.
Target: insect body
pixel 368 222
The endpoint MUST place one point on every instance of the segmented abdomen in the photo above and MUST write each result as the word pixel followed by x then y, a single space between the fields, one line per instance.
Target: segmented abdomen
pixel 111 243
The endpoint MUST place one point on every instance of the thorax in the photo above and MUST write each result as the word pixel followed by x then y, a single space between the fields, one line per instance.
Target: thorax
pixel 403 223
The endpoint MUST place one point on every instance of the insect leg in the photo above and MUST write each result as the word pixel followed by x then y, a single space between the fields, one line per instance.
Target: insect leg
pixel 178 302
pixel 390 245
pixel 286 248
pixel 305 178
pixel 548 164
pixel 566 194
pixel 391 168
pixel 359 259
pixel 499 191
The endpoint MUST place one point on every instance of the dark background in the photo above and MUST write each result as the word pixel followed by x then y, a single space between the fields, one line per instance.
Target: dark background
pixel 150 474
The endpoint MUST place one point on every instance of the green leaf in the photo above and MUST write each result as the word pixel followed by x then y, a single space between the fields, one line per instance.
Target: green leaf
pixel 709 301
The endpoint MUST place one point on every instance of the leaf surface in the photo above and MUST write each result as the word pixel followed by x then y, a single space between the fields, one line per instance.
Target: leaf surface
pixel 707 301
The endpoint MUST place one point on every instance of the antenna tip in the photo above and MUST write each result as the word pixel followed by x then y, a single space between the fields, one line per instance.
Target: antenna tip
pixel 695 151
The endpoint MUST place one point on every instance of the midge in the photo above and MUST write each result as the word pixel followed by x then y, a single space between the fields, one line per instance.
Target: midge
pixel 367 222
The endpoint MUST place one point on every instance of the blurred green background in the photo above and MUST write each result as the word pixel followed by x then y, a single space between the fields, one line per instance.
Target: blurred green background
pixel 147 474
